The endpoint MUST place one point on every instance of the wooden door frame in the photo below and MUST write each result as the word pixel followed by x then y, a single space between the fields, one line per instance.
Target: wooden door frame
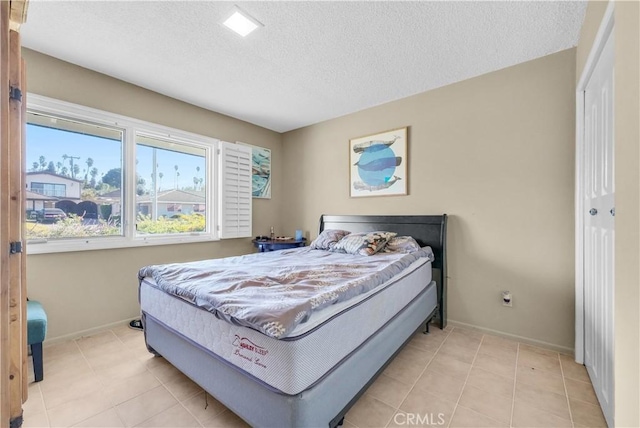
pixel 604 31
pixel 13 334
pixel 5 356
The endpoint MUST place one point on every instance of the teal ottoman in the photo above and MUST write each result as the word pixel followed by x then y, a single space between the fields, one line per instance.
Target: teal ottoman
pixel 36 331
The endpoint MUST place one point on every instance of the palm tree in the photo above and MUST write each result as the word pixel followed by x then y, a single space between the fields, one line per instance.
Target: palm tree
pixel 43 162
pixel 35 165
pixel 197 179
pixel 58 167
pixel 93 173
pixel 160 175
pixel 177 175
pixel 89 163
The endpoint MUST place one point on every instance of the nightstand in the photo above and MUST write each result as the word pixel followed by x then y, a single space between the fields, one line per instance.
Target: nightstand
pixel 264 245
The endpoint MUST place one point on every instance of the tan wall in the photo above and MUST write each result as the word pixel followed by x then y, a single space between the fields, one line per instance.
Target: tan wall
pixel 595 11
pixel 84 290
pixel 496 153
pixel 627 165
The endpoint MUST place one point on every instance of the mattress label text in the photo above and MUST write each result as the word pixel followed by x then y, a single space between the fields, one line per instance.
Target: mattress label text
pixel 249 351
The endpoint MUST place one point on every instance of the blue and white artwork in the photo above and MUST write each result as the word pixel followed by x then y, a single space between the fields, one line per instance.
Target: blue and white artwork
pixel 261 172
pixel 378 164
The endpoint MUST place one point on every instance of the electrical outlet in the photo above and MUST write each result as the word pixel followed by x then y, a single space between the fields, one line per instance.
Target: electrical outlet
pixel 507 299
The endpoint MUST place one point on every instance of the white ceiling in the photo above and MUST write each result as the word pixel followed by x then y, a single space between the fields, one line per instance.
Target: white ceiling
pixel 312 61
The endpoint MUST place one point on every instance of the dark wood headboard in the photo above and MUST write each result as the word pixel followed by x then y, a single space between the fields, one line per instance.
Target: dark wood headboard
pixel 428 230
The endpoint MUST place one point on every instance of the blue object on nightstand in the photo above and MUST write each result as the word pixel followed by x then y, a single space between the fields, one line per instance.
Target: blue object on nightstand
pixel 36 332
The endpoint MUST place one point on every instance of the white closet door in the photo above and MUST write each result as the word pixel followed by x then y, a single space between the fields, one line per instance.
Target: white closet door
pixel 599 192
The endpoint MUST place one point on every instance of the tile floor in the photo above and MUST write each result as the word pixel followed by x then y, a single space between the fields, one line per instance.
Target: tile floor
pixel 455 378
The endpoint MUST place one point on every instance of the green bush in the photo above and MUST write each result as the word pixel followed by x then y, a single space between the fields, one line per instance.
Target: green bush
pixel 71 227
pixel 182 223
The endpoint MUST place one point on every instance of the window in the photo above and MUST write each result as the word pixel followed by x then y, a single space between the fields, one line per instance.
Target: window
pixel 98 180
pixel 49 189
pixel 171 187
pixel 73 164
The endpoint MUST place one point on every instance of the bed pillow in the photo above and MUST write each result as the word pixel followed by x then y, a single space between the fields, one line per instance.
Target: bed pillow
pixel 363 243
pixel 328 238
pixel 401 244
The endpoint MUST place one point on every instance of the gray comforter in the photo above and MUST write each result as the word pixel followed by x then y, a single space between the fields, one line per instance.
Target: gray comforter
pixel 274 292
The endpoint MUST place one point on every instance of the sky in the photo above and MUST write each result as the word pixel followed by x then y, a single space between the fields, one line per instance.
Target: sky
pixel 107 154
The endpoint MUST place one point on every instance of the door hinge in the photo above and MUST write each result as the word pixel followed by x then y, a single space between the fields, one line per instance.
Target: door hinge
pixel 15 247
pixel 15 93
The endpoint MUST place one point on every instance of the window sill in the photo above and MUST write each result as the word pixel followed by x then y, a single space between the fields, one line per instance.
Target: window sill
pixel 110 243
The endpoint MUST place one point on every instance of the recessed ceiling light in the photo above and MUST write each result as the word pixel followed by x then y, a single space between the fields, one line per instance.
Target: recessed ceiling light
pixel 241 22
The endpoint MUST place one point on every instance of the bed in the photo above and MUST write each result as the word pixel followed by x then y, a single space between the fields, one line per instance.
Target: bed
pixel 318 371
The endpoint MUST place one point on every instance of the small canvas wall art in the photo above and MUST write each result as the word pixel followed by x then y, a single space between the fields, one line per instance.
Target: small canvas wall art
pixel 261 171
pixel 378 164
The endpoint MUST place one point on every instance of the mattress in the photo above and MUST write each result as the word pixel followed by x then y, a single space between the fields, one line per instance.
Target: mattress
pixel 313 350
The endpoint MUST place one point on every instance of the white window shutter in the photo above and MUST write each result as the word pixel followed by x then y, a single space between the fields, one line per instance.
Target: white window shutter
pixel 235 190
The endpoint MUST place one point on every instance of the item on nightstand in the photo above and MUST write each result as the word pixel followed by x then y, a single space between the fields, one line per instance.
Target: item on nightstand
pixel 272 234
pixel 298 235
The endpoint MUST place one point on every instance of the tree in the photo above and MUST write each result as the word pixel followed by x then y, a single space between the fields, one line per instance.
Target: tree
pixel 140 183
pixel 51 168
pixel 197 180
pixel 160 175
pixel 89 163
pixel 43 162
pixel 93 173
pixel 58 167
pixel 76 170
pixel 177 175
pixel 35 165
pixel 88 194
pixel 113 178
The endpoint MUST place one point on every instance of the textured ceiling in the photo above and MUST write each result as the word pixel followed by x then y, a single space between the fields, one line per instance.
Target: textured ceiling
pixel 312 61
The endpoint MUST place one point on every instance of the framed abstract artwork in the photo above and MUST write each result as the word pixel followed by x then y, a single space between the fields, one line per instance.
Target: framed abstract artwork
pixel 261 171
pixel 378 164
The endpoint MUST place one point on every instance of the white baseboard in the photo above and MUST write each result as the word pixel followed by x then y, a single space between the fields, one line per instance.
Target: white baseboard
pixel 87 332
pixel 528 341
